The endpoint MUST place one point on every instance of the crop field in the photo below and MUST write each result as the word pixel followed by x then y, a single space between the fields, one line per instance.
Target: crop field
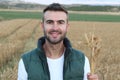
pixel 18 36
pixel 73 16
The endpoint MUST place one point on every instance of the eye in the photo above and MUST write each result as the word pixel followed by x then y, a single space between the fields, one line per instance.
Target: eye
pixel 61 22
pixel 49 22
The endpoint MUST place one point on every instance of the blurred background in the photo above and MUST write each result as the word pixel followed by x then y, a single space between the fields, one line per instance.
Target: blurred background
pixel 20 29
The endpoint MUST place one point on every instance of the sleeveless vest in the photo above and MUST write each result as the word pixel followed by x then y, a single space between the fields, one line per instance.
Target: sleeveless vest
pixel 37 68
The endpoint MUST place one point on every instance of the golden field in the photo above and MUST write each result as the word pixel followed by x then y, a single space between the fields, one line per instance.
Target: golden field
pixel 20 35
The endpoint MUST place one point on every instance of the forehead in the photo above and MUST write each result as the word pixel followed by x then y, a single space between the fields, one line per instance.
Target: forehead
pixel 55 15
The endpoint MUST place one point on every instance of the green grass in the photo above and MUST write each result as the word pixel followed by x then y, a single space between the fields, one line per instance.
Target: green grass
pixel 93 17
pixel 19 14
pixel 73 17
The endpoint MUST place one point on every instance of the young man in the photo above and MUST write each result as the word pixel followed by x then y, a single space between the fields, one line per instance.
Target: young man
pixel 54 58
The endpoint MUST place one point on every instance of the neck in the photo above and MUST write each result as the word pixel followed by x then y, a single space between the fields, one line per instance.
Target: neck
pixel 53 50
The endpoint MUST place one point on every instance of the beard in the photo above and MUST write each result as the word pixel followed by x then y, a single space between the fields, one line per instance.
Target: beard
pixel 60 36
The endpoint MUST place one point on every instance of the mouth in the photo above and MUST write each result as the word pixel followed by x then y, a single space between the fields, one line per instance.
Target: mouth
pixel 54 34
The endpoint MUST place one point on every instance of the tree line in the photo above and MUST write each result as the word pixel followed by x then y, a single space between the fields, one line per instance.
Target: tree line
pixel 95 8
pixel 105 8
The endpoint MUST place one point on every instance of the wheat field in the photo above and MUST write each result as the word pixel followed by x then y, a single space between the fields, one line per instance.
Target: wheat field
pixel 20 35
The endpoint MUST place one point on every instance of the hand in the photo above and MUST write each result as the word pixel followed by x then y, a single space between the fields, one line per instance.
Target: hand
pixel 92 76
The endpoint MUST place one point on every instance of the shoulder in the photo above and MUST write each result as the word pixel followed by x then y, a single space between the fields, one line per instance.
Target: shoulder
pixel 77 52
pixel 30 55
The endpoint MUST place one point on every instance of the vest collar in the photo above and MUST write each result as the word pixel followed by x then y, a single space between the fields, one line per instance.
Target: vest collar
pixel 41 41
pixel 41 52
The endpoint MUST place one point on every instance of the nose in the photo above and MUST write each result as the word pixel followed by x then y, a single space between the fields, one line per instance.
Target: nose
pixel 55 25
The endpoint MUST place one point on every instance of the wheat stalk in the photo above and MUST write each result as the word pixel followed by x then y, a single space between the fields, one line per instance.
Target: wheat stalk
pixel 93 42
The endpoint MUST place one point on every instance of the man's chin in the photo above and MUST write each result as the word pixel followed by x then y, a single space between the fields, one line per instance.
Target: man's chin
pixel 55 41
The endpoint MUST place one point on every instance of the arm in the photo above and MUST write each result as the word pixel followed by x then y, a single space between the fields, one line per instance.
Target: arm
pixel 86 68
pixel 87 75
pixel 92 76
pixel 22 74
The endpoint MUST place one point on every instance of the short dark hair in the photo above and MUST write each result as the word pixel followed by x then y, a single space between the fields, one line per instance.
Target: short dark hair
pixel 55 7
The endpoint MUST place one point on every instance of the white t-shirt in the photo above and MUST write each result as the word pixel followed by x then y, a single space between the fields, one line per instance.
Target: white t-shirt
pixel 55 65
pixel 56 68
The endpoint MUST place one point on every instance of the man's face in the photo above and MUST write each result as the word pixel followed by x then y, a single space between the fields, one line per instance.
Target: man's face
pixel 55 26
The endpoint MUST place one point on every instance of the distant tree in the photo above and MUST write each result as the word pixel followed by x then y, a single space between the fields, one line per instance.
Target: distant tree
pixel 93 8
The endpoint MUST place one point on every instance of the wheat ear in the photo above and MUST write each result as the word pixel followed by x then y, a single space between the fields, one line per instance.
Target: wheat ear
pixel 93 42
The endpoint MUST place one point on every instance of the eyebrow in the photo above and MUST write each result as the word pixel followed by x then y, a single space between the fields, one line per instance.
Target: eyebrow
pixel 57 20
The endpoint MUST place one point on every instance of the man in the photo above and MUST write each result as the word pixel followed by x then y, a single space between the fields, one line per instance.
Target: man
pixel 54 58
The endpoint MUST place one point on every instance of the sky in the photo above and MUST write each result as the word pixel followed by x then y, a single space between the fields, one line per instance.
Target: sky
pixel 92 2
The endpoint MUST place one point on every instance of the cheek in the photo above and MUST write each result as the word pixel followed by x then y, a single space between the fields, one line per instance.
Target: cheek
pixel 64 29
pixel 47 29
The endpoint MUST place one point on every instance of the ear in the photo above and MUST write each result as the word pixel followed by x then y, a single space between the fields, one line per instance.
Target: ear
pixel 42 24
pixel 68 26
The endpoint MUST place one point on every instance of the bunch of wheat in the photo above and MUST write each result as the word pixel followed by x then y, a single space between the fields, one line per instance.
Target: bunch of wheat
pixel 94 43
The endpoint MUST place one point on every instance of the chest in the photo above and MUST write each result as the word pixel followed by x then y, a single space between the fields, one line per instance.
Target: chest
pixel 65 70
